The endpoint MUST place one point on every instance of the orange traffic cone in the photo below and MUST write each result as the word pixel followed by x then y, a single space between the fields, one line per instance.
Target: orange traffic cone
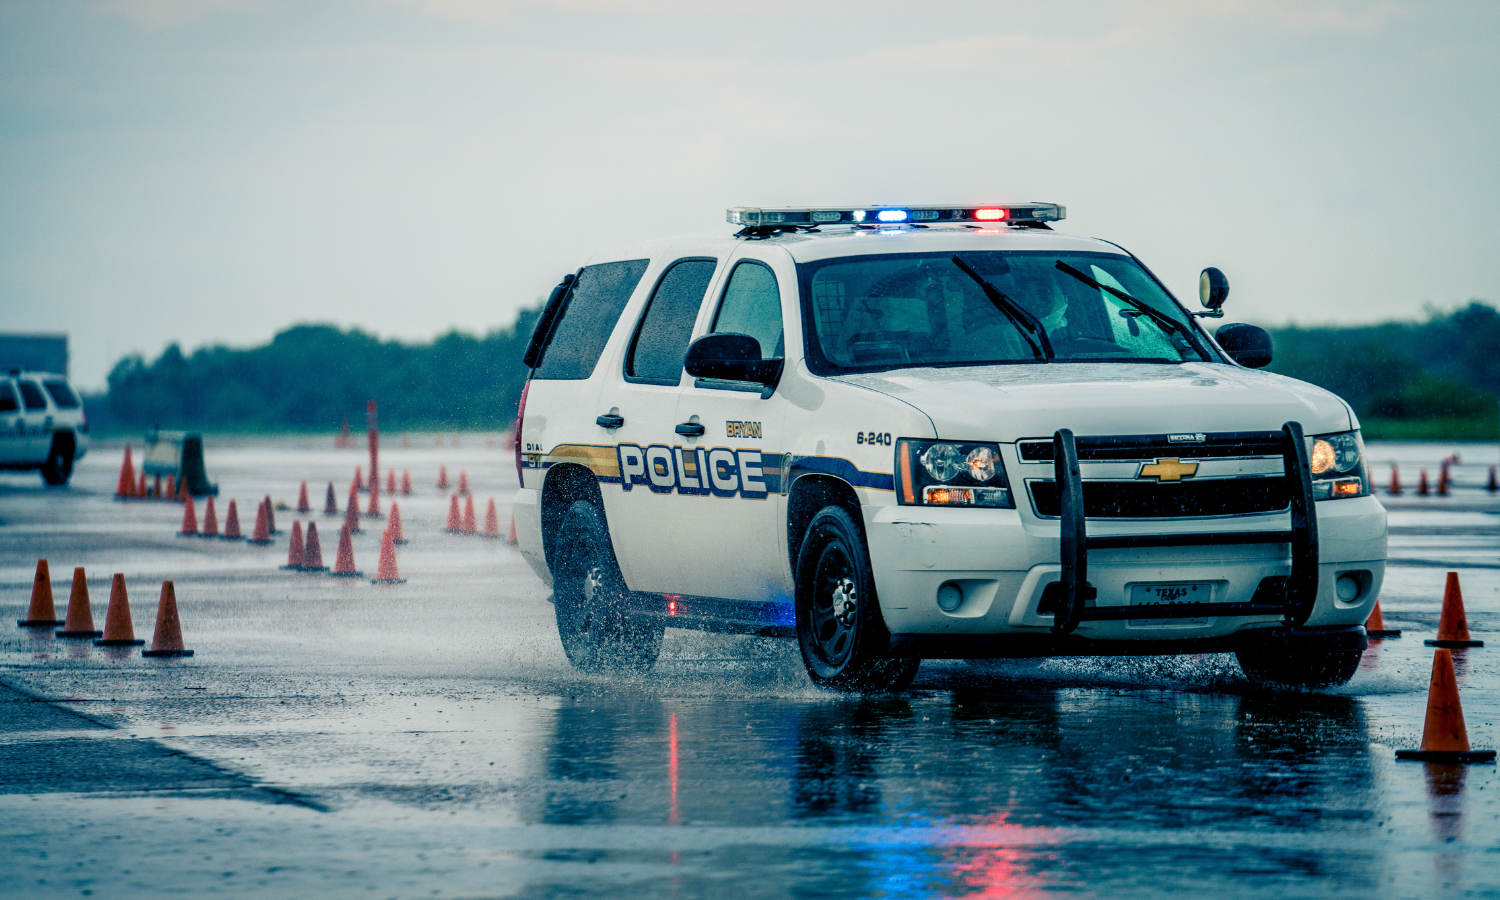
pixel 390 482
pixel 387 573
pixel 511 537
pixel 140 486
pixel 1443 480
pixel 171 492
pixel 351 513
pixel 468 526
pixel 295 551
pixel 405 440
pixel 491 521
pixel 1494 485
pixel 463 481
pixel 1422 483
pixel 168 638
pixel 394 526
pixel 118 631
pixel 373 511
pixel 232 523
pixel 454 522
pixel 189 520
pixel 437 441
pixel 343 565
pixel 303 507
pixel 442 476
pixel 359 479
pixel 182 491
pixel 1453 625
pixel 330 503
pixel 406 482
pixel 312 554
pixel 1444 737
pixel 155 486
pixel 270 515
pixel 262 533
pixel 1375 624
pixel 41 613
pixel 1395 480
pixel 125 487
pixel 80 621
pixel 210 520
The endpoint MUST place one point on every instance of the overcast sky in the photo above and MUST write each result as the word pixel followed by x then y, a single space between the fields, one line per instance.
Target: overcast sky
pixel 211 171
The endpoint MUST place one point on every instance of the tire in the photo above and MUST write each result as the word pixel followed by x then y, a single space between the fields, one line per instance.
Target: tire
pixel 1306 664
pixel 58 467
pixel 597 632
pixel 844 641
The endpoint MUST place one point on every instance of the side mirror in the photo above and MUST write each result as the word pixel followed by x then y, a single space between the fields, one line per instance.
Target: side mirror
pixel 1248 345
pixel 731 357
pixel 1213 289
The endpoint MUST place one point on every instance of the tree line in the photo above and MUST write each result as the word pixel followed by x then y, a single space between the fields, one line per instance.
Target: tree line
pixel 1436 378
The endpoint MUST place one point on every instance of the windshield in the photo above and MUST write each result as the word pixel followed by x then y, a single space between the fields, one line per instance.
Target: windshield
pixel 953 308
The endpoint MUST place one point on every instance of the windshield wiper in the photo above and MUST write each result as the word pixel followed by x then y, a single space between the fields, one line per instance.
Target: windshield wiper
pixel 1163 322
pixel 1024 321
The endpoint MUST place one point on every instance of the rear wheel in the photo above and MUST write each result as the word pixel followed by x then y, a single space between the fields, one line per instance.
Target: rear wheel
pixel 58 467
pixel 844 641
pixel 597 632
pixel 1299 662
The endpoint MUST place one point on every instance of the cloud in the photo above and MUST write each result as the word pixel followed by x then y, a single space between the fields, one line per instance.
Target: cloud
pixel 169 13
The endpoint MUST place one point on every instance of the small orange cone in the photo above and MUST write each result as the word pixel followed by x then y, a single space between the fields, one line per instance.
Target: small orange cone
pixel 303 507
pixel 373 512
pixel 295 551
pixel 118 631
pixel 1422 483
pixel 140 486
pixel 41 613
pixel 155 487
pixel 232 523
pixel 330 503
pixel 511 537
pixel 168 638
pixel 390 482
pixel 1375 625
pixel 359 479
pixel 125 487
pixel 189 520
pixel 406 482
pixel 387 573
pixel 171 492
pixel 468 526
pixel 1453 625
pixel 405 440
pixel 312 555
pixel 343 565
pixel 463 481
pixel 210 520
pixel 454 522
pixel 1395 480
pixel 351 513
pixel 1492 487
pixel 182 491
pixel 394 526
pixel 491 521
pixel 437 441
pixel 1444 737
pixel 1443 480
pixel 80 621
pixel 270 515
pixel 262 533
pixel 442 476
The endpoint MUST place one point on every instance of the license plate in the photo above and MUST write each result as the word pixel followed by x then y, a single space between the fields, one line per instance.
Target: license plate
pixel 1170 594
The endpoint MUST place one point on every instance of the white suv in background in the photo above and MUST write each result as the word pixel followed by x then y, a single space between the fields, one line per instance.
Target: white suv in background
pixel 42 425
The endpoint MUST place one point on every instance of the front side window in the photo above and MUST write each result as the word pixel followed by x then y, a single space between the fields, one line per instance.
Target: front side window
pixel 752 305
pixel 952 308
pixel 661 341
pixel 62 394
pixel 32 396
pixel 585 324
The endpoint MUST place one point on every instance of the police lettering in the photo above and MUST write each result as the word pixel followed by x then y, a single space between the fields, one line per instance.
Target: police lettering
pixel 721 471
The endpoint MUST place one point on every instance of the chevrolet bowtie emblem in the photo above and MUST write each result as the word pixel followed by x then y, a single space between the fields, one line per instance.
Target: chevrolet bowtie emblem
pixel 1167 470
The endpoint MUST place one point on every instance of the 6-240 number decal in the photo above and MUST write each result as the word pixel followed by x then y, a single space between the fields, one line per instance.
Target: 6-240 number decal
pixel 873 437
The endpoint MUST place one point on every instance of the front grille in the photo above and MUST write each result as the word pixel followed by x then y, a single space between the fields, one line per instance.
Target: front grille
pixel 1149 500
pixel 1153 446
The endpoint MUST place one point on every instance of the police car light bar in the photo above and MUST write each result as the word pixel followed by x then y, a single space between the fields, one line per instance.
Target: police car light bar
pixel 755 217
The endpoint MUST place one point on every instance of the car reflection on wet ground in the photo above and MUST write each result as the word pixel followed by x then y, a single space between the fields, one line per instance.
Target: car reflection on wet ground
pixel 337 738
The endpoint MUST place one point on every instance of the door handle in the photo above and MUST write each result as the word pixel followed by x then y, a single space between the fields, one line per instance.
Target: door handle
pixel 690 429
pixel 610 420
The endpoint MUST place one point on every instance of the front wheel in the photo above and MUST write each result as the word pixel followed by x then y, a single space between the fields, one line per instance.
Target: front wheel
pixel 58 467
pixel 844 641
pixel 1300 663
pixel 593 621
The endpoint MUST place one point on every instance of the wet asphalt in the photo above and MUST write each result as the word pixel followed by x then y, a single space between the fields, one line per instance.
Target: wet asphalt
pixel 335 738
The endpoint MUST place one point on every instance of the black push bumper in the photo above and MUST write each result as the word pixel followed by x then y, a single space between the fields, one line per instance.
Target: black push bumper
pixel 1038 646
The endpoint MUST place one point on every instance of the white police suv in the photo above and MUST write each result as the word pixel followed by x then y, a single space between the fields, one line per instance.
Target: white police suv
pixel 933 432
pixel 42 424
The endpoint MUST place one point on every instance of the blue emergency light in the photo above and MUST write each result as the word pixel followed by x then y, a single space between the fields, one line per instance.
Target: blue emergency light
pixel 999 213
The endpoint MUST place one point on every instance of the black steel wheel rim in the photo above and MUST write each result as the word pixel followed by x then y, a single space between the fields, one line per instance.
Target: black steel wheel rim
pixel 834 610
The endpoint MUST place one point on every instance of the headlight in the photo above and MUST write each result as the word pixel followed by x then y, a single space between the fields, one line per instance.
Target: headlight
pixel 1338 466
pixel 950 473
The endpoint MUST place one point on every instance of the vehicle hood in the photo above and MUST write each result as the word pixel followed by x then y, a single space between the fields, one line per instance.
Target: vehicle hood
pixel 1005 403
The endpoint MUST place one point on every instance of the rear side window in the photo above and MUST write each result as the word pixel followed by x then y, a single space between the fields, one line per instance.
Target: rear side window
pixel 8 402
pixel 62 395
pixel 33 396
pixel 661 341
pixel 585 324
pixel 752 305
